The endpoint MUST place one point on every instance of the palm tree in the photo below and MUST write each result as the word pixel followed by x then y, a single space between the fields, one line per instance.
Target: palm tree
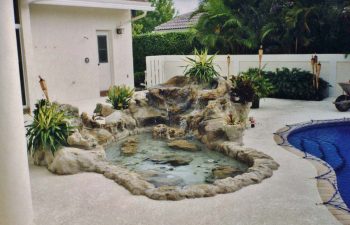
pixel 223 25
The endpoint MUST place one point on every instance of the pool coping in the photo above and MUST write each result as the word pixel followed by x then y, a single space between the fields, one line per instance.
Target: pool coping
pixel 326 176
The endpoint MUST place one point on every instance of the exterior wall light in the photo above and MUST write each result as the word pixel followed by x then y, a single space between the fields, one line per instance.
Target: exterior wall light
pixel 120 30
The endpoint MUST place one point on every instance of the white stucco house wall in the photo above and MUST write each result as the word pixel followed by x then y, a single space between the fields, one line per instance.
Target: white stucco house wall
pixel 80 47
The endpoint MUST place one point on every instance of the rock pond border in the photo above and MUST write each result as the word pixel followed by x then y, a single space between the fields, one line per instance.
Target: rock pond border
pixel 204 111
pixel 261 166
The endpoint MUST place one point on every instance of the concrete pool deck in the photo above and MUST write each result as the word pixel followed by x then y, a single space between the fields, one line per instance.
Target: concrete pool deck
pixel 290 196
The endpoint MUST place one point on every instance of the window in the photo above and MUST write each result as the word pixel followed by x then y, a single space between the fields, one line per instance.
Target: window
pixel 102 49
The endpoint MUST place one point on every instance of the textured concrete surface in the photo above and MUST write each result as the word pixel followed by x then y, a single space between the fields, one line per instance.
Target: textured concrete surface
pixel 289 197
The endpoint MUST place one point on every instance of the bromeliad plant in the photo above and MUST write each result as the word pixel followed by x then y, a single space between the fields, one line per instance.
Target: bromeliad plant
pixel 242 90
pixel 120 96
pixel 201 68
pixel 262 85
pixel 49 129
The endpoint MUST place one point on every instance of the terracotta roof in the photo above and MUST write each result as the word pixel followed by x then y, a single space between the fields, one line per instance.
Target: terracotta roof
pixel 184 21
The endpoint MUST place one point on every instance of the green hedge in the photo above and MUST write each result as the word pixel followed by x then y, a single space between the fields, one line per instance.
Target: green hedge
pixel 180 43
pixel 296 84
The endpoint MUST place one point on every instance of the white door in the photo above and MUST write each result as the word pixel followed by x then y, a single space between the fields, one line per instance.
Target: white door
pixel 104 60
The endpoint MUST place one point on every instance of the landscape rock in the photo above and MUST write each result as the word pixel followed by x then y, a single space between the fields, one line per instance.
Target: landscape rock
pixel 172 159
pixel 212 130
pixel 222 172
pixel 121 120
pixel 74 160
pixel 42 157
pixel 102 136
pixel 172 99
pixel 162 179
pixel 163 131
pixel 184 145
pixel 129 147
pixel 234 133
pixel 103 110
pixel 85 141
pixel 148 116
pixel 68 109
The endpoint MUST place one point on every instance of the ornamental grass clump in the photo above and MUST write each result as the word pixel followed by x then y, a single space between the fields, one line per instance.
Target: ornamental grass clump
pixel 120 96
pixel 201 68
pixel 50 128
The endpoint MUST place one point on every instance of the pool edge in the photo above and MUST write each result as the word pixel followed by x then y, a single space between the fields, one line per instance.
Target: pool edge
pixel 327 188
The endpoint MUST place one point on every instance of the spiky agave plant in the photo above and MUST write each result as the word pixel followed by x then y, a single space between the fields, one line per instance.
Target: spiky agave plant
pixel 202 67
pixel 49 129
pixel 120 96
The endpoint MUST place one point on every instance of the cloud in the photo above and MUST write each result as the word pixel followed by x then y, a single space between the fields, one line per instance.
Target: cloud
pixel 185 6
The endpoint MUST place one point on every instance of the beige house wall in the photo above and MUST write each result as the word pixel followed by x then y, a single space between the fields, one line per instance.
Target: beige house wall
pixel 61 38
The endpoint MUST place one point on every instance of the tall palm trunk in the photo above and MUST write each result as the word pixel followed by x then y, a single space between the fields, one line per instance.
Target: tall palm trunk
pixel 296 45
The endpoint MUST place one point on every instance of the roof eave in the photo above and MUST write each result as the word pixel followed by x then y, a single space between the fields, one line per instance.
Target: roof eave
pixel 129 5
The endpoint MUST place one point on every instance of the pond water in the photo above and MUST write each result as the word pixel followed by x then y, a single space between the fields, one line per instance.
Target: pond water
pixel 162 165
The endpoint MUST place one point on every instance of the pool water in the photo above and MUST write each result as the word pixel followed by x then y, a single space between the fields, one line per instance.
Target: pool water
pixel 331 143
pixel 160 174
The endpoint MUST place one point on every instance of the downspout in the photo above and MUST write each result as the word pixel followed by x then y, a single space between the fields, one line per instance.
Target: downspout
pixel 144 14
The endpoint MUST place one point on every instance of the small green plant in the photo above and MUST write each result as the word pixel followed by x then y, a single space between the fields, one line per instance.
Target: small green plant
pixel 201 68
pixel 242 89
pixel 262 85
pixel 120 96
pixel 49 129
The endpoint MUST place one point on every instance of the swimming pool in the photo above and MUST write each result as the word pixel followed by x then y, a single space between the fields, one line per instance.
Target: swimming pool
pixel 330 142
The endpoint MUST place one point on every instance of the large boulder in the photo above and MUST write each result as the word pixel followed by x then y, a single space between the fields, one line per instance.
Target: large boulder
pixel 212 130
pixel 149 116
pixel 84 141
pixel 74 160
pixel 43 157
pixel 172 159
pixel 121 120
pixel 102 136
pixel 184 145
pixel 103 110
pixel 159 179
pixel 68 109
pixel 174 100
pixel 178 81
pixel 234 133
pixel 163 131
pixel 129 147
pixel 219 90
pixel 221 172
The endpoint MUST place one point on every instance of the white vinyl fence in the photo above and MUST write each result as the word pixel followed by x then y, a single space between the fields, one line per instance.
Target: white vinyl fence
pixel 335 67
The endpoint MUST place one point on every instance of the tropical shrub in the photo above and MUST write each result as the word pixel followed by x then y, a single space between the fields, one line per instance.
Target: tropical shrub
pixel 261 84
pixel 120 96
pixel 174 43
pixel 50 128
pixel 202 67
pixel 296 84
pixel 242 90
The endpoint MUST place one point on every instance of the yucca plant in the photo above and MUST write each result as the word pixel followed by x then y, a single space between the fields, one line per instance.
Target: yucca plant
pixel 120 96
pixel 49 129
pixel 201 68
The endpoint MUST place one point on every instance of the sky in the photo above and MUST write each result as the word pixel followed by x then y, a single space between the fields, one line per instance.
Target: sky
pixel 185 6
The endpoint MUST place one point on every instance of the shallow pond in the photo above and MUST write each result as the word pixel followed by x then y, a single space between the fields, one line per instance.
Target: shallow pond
pixel 162 165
